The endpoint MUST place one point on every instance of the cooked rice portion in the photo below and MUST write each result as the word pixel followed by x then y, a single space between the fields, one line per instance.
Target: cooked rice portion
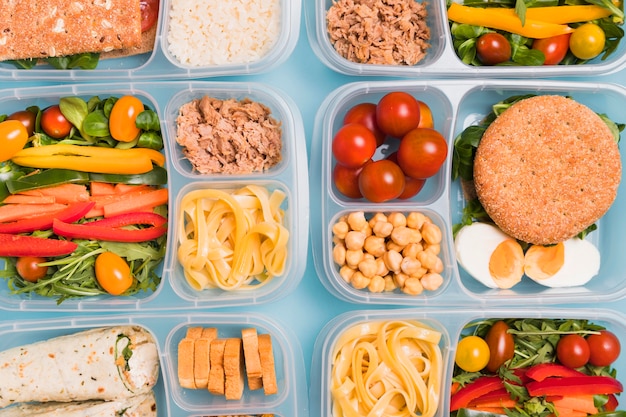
pixel 218 32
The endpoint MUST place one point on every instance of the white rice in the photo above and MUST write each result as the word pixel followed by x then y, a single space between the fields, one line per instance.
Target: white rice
pixel 219 32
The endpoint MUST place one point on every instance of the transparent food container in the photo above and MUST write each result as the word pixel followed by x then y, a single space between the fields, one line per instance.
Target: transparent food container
pixel 165 98
pixel 172 400
pixel 159 63
pixel 441 60
pixel 450 323
pixel 455 105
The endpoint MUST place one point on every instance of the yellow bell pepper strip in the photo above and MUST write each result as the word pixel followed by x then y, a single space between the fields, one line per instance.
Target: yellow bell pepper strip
pixel 560 15
pixel 94 151
pixel 489 18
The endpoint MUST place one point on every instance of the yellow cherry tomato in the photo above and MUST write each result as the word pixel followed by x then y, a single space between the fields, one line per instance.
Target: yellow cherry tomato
pixel 587 41
pixel 472 354
pixel 122 121
pixel 113 273
pixel 13 137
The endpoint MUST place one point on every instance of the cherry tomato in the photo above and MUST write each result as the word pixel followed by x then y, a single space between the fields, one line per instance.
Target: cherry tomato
pixel 149 13
pixel 422 152
pixel 572 350
pixel 13 137
pixel 604 348
pixel 397 113
pixel 553 48
pixel 493 48
pixel 113 273
pixel 353 145
pixel 501 345
pixel 28 268
pixel 587 41
pixel 122 121
pixel 54 124
pixel 381 180
pixel 426 116
pixel 347 180
pixel 472 354
pixel 412 186
pixel 27 118
pixel 365 114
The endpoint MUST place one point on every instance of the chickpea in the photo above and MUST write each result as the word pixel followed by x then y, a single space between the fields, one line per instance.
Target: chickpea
pixel 392 260
pixel 381 268
pixel 339 254
pixel 382 229
pixel 397 219
pixel 368 267
pixel 430 261
pixel 431 233
pixel 377 284
pixel 416 220
pixel 412 286
pixel 412 249
pixel 374 245
pixel 378 217
pixel 359 281
pixel 400 279
pixel 356 220
pixel 345 272
pixel 419 273
pixel 410 266
pixel 340 229
pixel 434 248
pixel 354 240
pixel 390 285
pixel 391 245
pixel 353 257
pixel 431 281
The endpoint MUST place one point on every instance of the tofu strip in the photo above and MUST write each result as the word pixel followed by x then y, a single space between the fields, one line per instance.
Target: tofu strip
pixel 143 405
pixel 109 363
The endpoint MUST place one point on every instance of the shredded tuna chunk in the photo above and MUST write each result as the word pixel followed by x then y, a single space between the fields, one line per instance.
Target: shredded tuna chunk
pixel 228 136
pixel 389 32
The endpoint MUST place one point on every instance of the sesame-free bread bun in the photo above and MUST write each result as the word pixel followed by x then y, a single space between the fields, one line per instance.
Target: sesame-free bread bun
pixel 546 169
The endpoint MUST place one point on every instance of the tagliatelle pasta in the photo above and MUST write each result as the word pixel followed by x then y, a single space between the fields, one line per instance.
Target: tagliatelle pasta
pixel 232 240
pixel 387 368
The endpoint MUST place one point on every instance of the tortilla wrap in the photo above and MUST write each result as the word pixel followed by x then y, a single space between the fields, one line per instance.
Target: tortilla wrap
pixel 109 363
pixel 143 405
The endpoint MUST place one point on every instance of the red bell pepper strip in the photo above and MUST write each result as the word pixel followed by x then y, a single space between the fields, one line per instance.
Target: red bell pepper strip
pixel 575 385
pixel 104 233
pixel 498 398
pixel 612 403
pixel 477 388
pixel 21 245
pixel 145 218
pixel 542 371
pixel 70 214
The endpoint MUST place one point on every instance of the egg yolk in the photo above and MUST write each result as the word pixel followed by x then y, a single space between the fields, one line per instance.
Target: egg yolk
pixel 506 263
pixel 542 262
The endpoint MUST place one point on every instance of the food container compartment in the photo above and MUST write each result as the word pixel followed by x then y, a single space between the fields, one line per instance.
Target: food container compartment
pixel 450 323
pixel 292 397
pixel 441 59
pixel 161 64
pixel 456 105
pixel 290 176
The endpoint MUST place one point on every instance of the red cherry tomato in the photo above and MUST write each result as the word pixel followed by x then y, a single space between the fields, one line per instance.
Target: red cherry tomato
pixel 604 348
pixel 501 345
pixel 397 113
pixel 573 351
pixel 27 118
pixel 365 114
pixel 412 186
pixel 28 268
pixel 422 152
pixel 381 180
pixel 347 180
pixel 353 145
pixel 122 121
pixel 553 48
pixel 493 48
pixel 54 124
pixel 149 13
pixel 426 116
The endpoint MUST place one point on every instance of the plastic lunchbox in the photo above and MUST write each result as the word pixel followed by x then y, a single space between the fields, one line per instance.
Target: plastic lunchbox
pixel 160 63
pixel 441 59
pixel 168 329
pixel 450 323
pixel 165 98
pixel 455 105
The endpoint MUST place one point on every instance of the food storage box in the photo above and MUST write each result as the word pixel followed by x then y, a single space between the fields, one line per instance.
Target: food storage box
pixel 450 323
pixel 455 105
pixel 290 175
pixel 168 329
pixel 441 60
pixel 161 63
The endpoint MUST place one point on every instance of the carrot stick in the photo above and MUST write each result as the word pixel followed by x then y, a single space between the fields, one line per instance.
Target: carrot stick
pixel 64 193
pixel 29 199
pixel 101 188
pixel 141 202
pixel 12 212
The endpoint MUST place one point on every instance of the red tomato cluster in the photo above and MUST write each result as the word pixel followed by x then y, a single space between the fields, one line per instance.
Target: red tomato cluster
pixel 574 350
pixel 421 150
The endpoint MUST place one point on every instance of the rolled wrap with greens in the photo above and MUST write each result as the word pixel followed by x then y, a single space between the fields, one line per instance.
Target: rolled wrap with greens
pixel 143 405
pixel 110 363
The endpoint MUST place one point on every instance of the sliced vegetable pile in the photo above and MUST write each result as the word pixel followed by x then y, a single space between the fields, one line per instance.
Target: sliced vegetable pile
pixel 535 32
pixel 83 203
pixel 535 368
pixel 408 123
